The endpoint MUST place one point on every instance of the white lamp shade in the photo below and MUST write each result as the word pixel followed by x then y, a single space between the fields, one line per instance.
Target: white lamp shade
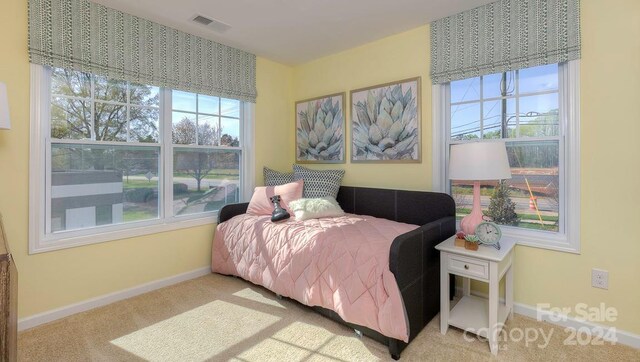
pixel 4 108
pixel 478 161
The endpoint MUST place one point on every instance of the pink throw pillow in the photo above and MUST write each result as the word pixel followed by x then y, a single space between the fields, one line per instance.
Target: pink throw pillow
pixel 260 203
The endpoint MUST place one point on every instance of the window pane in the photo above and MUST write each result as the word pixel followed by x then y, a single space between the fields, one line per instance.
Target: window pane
pixel 465 121
pixel 204 180
pixel 184 128
pixel 102 185
pixel 494 111
pixel 144 124
pixel 230 107
pixel 208 104
pixel 492 85
pixel 534 170
pixel 110 122
pixel 208 130
pixel 144 95
pixel 538 79
pixel 465 90
pixel 230 132
pixel 539 116
pixel 70 118
pixel 110 89
pixel 183 101
pixel 70 83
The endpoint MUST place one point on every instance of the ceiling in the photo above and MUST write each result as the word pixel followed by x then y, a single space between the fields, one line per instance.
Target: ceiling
pixel 295 31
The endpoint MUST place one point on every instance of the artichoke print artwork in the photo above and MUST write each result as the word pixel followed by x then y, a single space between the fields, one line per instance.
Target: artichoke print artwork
pixel 319 130
pixel 385 123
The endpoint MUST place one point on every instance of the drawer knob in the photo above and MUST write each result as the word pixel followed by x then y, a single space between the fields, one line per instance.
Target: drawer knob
pixel 466 266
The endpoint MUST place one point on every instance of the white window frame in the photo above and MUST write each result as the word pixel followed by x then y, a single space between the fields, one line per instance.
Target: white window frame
pixel 568 238
pixel 40 241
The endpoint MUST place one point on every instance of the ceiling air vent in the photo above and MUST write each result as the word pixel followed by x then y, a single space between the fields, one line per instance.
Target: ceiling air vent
pixel 215 25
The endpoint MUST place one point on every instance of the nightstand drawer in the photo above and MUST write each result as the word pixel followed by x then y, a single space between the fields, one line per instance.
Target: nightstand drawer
pixel 469 267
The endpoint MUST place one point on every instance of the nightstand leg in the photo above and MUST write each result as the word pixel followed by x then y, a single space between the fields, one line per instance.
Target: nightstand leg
pixel 494 301
pixel 444 294
pixel 466 286
pixel 509 292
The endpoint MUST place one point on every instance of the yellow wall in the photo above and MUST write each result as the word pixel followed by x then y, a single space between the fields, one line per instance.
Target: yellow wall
pixel 55 279
pixel 387 60
pixel 610 94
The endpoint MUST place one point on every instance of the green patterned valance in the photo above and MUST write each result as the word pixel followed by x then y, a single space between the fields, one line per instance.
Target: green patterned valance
pixel 504 35
pixel 89 37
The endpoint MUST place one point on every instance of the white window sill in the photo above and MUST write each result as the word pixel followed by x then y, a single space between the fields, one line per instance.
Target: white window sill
pixel 70 239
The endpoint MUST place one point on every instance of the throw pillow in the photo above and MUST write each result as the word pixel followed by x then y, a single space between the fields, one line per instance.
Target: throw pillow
pixel 305 209
pixel 319 183
pixel 260 203
pixel 275 178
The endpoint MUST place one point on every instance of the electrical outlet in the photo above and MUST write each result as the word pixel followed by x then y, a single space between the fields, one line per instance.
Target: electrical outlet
pixel 600 278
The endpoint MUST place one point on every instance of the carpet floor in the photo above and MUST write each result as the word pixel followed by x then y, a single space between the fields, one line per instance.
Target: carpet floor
pixel 218 318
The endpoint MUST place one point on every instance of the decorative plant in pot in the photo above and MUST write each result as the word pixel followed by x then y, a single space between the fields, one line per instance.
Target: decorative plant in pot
pixel 471 242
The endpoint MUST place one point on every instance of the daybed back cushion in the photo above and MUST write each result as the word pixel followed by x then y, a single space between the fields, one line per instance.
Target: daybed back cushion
pixel 276 178
pixel 319 183
pixel 411 207
pixel 261 204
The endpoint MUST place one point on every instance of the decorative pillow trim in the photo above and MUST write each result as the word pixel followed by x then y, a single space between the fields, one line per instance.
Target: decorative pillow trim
pixel 276 178
pixel 319 183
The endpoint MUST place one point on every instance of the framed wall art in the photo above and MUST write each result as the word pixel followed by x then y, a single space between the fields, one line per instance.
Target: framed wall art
pixel 320 129
pixel 385 122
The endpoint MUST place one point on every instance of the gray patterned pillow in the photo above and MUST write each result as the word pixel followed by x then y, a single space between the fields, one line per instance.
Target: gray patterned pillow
pixel 318 183
pixel 275 178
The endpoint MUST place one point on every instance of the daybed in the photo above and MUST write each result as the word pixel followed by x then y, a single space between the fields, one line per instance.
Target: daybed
pixel 413 260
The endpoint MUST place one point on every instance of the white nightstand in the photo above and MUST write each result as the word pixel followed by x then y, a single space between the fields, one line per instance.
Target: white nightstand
pixel 474 314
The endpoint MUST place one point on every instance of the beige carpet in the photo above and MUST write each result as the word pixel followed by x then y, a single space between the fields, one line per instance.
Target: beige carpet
pixel 217 318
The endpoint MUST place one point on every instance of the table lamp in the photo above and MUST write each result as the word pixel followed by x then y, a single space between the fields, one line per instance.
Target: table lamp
pixel 4 108
pixel 478 161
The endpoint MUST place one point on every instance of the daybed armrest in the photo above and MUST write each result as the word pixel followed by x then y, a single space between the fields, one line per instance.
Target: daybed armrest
pixel 415 263
pixel 230 210
pixel 410 251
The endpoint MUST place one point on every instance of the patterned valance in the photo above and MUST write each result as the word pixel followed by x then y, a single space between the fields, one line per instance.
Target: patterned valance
pixel 504 35
pixel 89 37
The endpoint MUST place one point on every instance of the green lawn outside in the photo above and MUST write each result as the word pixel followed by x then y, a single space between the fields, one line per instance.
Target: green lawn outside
pixel 462 212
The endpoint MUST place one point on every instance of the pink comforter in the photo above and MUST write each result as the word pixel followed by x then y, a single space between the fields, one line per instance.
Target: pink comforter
pixel 338 263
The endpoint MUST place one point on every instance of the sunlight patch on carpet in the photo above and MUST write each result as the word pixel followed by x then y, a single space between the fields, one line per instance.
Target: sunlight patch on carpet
pixel 300 341
pixel 253 295
pixel 198 334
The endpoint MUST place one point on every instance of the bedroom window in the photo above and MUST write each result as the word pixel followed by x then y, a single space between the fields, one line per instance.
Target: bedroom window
pixel 114 159
pixel 535 112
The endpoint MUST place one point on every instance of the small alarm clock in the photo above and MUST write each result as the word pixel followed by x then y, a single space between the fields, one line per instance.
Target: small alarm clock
pixel 489 233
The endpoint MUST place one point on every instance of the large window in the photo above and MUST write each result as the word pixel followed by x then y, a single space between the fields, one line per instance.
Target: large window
pixel 112 159
pixel 533 111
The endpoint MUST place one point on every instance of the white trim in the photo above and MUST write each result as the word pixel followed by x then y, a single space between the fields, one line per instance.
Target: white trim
pixel 54 314
pixel 247 132
pixel 568 239
pixel 101 234
pixel 438 182
pixel 622 337
pixel 563 320
pixel 37 156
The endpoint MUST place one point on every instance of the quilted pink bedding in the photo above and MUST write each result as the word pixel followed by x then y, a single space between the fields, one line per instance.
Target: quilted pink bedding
pixel 338 263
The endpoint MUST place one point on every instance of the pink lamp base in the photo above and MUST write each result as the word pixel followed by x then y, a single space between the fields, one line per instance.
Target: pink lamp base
pixel 469 223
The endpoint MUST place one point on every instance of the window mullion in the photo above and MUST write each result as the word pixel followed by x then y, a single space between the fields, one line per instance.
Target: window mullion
pixel 167 152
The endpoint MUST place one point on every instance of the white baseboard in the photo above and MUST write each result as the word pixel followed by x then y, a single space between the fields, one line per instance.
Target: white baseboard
pixel 52 315
pixel 622 337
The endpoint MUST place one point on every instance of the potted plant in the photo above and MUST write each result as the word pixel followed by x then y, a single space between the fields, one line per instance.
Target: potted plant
pixel 471 242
